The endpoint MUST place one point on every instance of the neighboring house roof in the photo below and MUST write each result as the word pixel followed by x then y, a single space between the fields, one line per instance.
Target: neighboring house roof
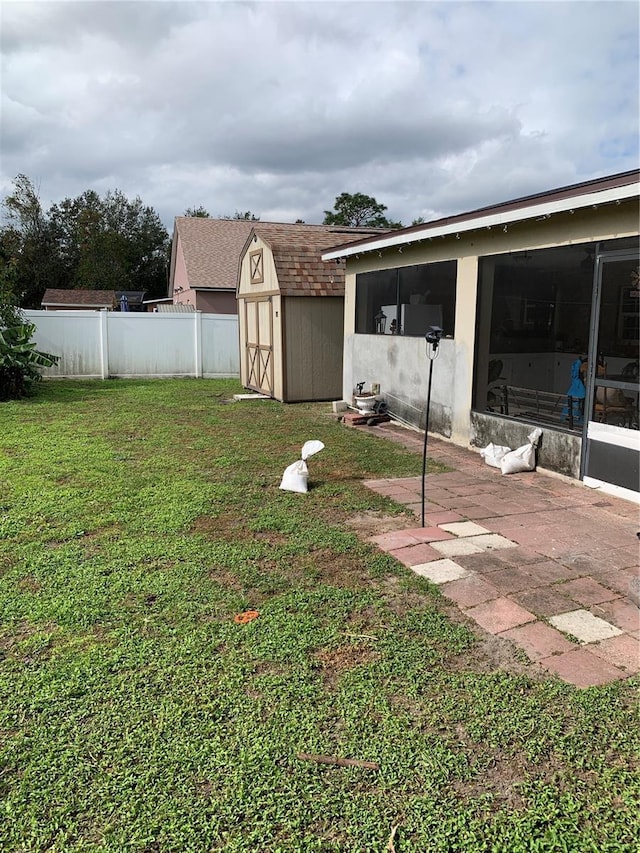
pixel 297 253
pixel 610 189
pixel 177 308
pixel 76 298
pixel 212 248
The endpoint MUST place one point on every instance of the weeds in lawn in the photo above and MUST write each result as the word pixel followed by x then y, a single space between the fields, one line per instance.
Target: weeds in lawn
pixel 136 519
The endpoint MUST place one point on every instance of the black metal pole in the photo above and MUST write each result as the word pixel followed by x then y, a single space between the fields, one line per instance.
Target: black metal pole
pixel 426 430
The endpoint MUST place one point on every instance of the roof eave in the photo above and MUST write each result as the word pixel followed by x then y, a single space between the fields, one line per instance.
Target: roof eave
pixel 76 304
pixel 504 219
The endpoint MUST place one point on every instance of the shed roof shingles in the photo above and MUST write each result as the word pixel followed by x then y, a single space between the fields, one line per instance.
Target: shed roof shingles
pixel 297 256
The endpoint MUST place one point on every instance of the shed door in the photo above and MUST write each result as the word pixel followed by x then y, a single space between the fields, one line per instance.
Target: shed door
pixel 259 345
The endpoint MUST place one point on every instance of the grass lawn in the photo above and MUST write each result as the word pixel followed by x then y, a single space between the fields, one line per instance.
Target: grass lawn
pixel 136 518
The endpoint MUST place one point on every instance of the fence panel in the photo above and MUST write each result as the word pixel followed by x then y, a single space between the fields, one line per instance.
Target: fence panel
pixel 104 343
pixel 74 336
pixel 220 345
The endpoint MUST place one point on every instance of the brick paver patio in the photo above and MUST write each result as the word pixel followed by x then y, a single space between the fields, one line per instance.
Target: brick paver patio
pixel 540 550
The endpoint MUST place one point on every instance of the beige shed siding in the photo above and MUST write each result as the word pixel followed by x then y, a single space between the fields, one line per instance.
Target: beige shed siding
pixel 267 295
pixel 313 337
pixel 303 296
pixel 269 284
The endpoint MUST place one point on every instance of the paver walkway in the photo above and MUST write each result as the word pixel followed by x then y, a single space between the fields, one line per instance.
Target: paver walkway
pixel 541 561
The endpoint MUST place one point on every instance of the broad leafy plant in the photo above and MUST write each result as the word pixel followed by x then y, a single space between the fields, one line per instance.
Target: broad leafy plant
pixel 20 361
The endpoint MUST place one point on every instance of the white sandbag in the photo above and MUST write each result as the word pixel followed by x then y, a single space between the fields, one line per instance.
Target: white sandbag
pixel 295 477
pixel 310 448
pixel 522 458
pixel 493 454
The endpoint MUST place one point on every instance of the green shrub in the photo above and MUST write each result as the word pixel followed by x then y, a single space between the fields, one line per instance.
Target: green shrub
pixel 20 361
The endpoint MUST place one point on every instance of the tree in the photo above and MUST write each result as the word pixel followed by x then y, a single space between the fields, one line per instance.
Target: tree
pixel 92 242
pixel 198 212
pixel 111 243
pixel 9 312
pixel 240 215
pixel 29 261
pixel 20 361
pixel 358 209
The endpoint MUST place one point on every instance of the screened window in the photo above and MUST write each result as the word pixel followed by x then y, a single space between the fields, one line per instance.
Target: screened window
pixel 407 300
pixel 533 326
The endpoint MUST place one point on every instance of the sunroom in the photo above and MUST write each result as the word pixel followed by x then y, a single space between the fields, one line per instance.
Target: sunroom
pixel 538 303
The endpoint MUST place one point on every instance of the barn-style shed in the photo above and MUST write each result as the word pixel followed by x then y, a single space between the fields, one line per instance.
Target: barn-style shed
pixel 291 311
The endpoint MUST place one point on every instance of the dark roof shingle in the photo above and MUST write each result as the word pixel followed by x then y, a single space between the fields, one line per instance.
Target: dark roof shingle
pixel 211 249
pixel 71 296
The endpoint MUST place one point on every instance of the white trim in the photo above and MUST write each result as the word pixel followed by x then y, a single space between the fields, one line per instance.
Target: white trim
pixel 610 489
pixel 198 343
pixel 95 306
pixel 618 436
pixel 507 217
pixel 104 345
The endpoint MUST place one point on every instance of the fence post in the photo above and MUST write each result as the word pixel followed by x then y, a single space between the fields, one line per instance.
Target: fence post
pixel 104 344
pixel 198 344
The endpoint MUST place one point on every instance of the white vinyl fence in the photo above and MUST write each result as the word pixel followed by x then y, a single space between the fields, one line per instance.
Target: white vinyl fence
pixel 103 344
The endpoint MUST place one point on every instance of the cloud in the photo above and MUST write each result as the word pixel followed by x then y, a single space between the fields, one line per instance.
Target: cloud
pixel 434 108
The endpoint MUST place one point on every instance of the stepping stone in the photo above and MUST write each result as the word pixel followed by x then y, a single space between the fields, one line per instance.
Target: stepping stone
pixel 470 591
pixel 500 615
pixel 538 640
pixel 492 542
pixel 464 528
pixel 581 668
pixel 441 571
pixel 584 626
pixel 455 547
pixel 623 652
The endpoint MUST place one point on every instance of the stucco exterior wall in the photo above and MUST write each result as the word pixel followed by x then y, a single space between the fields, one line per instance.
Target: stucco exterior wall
pixel 180 278
pixel 401 367
pixel 559 450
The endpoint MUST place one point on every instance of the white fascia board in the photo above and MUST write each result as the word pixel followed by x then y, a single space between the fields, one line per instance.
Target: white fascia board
pixel 505 218
pixel 212 289
pixel 71 305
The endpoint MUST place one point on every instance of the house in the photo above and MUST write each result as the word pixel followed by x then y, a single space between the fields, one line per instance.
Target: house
pixel 535 296
pixel 77 300
pixel 291 311
pixel 204 262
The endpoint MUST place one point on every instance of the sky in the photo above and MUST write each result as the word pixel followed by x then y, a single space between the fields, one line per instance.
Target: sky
pixel 433 108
